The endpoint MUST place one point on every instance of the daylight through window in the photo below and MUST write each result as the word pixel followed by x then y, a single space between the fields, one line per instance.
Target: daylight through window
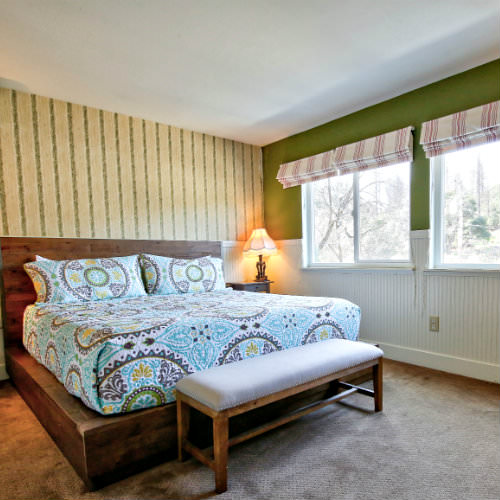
pixel 467 207
pixel 359 218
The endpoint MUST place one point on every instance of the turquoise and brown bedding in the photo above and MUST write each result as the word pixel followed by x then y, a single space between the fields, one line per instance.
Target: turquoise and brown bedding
pixel 126 354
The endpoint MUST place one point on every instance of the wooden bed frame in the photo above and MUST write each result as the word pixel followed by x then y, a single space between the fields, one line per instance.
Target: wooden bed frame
pixel 103 449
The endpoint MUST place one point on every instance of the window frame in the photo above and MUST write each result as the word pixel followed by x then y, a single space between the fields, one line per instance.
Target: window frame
pixel 436 247
pixel 309 252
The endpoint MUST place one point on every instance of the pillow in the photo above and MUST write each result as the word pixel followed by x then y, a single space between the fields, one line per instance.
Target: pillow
pixel 86 279
pixel 167 275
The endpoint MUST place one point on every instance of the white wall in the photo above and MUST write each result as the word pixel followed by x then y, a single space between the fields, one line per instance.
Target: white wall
pixel 396 304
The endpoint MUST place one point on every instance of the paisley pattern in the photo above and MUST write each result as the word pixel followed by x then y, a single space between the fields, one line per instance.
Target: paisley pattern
pixel 167 275
pixel 86 279
pixel 125 354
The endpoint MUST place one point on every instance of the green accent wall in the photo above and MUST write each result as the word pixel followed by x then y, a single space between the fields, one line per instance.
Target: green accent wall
pixel 282 207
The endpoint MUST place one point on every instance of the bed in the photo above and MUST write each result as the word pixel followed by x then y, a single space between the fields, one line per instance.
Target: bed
pixel 122 355
pixel 137 349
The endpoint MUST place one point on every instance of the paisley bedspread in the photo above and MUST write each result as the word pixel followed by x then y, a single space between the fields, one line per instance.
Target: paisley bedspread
pixel 126 354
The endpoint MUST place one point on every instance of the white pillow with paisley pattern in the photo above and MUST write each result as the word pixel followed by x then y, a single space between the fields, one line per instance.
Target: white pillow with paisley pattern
pixel 168 275
pixel 86 279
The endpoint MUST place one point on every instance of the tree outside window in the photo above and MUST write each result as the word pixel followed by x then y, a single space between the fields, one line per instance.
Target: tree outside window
pixel 468 195
pixel 361 217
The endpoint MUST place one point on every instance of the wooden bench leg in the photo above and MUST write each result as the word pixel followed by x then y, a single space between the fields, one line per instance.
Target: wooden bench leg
pixel 378 385
pixel 182 428
pixel 221 445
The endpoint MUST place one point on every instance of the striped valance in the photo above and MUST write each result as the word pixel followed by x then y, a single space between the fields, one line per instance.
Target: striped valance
pixel 308 169
pixel 381 151
pixel 461 130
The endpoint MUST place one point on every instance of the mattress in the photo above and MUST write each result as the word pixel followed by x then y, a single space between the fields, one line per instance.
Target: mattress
pixel 121 355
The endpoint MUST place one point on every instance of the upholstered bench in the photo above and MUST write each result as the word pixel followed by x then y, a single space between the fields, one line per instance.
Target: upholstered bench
pixel 228 390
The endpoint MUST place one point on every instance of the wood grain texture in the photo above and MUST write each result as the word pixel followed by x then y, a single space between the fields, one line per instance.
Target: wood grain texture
pixel 221 447
pixel 220 418
pixel 18 289
pixel 101 449
pixel 378 385
pixel 182 428
pixel 104 449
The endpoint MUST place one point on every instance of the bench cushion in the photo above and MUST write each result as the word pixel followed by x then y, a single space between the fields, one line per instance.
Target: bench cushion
pixel 230 385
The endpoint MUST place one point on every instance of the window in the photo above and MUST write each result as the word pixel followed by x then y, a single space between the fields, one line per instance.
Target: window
pixel 466 207
pixel 359 218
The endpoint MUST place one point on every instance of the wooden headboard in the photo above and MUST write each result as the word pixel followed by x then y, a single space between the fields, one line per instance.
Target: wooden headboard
pixel 18 291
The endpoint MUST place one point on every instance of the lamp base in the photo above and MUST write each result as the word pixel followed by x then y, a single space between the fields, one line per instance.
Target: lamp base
pixel 261 270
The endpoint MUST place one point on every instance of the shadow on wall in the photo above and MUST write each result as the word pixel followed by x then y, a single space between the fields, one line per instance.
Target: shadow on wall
pixel 13 84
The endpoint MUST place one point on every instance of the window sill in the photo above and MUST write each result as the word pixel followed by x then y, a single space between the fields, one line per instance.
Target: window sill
pixel 463 271
pixel 361 268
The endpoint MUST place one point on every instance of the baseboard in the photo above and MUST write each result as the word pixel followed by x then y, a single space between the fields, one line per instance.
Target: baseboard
pixel 3 372
pixel 481 370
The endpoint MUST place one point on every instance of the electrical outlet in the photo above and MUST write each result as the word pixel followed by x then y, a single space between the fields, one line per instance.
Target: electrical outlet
pixel 434 323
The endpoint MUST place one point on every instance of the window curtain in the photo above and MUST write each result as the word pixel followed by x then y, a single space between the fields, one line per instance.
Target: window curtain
pixel 461 130
pixel 309 169
pixel 380 151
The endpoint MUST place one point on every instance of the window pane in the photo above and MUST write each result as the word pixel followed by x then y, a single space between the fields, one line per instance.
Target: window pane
pixel 471 206
pixel 333 234
pixel 384 204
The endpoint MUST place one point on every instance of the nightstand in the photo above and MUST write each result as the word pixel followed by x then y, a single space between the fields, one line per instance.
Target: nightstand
pixel 252 286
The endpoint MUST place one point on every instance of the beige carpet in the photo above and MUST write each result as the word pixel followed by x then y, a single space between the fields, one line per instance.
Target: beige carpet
pixel 438 438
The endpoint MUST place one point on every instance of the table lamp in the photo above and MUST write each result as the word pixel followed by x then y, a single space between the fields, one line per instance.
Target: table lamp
pixel 260 243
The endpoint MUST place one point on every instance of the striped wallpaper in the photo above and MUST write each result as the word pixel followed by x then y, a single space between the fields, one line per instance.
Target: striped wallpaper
pixel 72 171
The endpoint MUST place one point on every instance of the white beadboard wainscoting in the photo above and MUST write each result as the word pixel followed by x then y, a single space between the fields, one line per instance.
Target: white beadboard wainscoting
pixel 396 305
pixel 235 266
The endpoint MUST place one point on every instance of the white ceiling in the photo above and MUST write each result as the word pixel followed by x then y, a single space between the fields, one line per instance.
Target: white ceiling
pixel 250 70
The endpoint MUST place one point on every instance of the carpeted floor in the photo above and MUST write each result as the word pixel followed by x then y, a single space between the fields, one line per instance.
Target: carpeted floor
pixel 438 438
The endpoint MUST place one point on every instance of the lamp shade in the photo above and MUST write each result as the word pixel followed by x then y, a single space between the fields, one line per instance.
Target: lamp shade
pixel 260 243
